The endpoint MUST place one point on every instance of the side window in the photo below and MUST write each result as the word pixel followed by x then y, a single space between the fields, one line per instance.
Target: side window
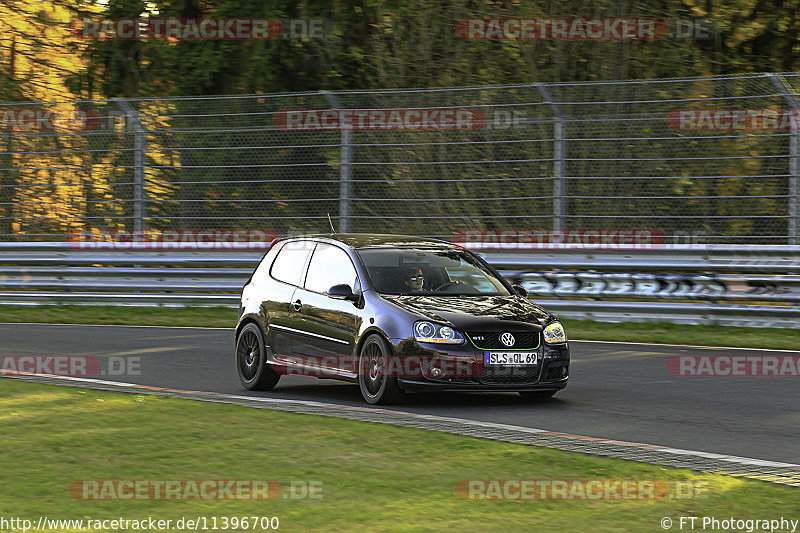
pixel 261 270
pixel 288 266
pixel 330 266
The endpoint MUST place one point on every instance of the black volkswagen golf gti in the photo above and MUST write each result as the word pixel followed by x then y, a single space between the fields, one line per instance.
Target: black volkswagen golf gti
pixel 395 314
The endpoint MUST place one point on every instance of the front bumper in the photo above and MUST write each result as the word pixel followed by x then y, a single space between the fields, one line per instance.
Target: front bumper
pixel 411 385
pixel 462 368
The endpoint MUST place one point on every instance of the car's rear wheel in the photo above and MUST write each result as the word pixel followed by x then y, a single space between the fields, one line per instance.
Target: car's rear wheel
pixel 538 395
pixel 254 373
pixel 377 384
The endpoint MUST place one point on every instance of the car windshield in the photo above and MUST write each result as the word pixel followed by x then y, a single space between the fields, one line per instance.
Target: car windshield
pixel 419 271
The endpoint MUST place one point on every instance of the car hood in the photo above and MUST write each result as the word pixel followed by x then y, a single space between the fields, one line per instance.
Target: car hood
pixel 473 313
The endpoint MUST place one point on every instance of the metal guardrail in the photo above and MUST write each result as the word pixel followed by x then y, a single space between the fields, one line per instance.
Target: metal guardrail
pixel 689 258
pixel 757 286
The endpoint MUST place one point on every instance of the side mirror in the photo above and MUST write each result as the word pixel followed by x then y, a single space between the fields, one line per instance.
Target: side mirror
pixel 342 292
pixel 522 291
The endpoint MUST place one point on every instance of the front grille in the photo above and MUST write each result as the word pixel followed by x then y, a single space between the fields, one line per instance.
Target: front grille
pixel 510 375
pixel 490 340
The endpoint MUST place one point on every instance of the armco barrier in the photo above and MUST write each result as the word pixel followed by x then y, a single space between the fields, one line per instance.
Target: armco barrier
pixel 757 286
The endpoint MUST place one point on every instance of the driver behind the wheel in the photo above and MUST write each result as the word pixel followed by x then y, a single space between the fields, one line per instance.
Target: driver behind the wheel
pixel 414 279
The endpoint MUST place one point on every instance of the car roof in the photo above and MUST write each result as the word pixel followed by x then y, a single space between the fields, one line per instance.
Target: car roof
pixel 377 240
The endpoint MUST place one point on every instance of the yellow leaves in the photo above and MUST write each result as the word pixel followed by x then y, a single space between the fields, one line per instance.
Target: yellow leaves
pixel 38 46
pixel 699 12
pixel 752 30
pixel 739 35
pixel 39 35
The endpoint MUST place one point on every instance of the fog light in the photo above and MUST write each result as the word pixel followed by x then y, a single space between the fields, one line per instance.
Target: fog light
pixel 436 372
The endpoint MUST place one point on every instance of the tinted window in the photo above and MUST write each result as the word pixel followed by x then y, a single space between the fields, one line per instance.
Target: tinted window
pixel 425 271
pixel 288 266
pixel 329 266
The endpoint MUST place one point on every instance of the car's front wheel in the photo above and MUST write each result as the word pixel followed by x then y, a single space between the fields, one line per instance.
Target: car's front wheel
pixel 375 379
pixel 251 366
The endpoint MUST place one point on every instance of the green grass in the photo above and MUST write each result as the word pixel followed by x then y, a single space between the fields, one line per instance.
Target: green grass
pixel 786 339
pixel 373 477
pixel 209 317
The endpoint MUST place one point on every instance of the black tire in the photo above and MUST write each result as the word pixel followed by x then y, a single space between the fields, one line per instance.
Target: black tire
pixel 537 395
pixel 251 367
pixel 373 359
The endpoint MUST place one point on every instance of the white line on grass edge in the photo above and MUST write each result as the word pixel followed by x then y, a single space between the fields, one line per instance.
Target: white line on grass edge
pixel 206 396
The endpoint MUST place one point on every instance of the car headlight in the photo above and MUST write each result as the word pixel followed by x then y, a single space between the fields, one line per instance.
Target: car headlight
pixel 554 333
pixel 429 332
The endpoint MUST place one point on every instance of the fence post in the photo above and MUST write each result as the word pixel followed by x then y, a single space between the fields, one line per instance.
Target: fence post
pixel 345 167
pixel 559 160
pixel 794 152
pixel 139 147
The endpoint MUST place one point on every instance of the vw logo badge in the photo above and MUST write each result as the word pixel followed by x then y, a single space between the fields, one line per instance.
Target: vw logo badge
pixel 507 339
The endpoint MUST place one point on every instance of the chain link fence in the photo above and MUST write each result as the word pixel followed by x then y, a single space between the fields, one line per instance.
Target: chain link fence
pixel 711 160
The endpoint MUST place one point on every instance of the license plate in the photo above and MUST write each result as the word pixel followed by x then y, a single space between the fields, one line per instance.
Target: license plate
pixel 510 358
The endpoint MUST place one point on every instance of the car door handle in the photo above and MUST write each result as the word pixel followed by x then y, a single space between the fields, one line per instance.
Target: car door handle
pixel 297 305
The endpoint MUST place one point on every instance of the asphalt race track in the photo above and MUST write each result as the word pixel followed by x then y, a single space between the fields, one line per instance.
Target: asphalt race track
pixel 616 391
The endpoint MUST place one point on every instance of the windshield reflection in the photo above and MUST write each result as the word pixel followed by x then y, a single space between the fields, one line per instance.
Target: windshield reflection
pixel 419 271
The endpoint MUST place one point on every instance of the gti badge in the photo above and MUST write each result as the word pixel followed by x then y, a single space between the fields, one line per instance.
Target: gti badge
pixel 507 339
